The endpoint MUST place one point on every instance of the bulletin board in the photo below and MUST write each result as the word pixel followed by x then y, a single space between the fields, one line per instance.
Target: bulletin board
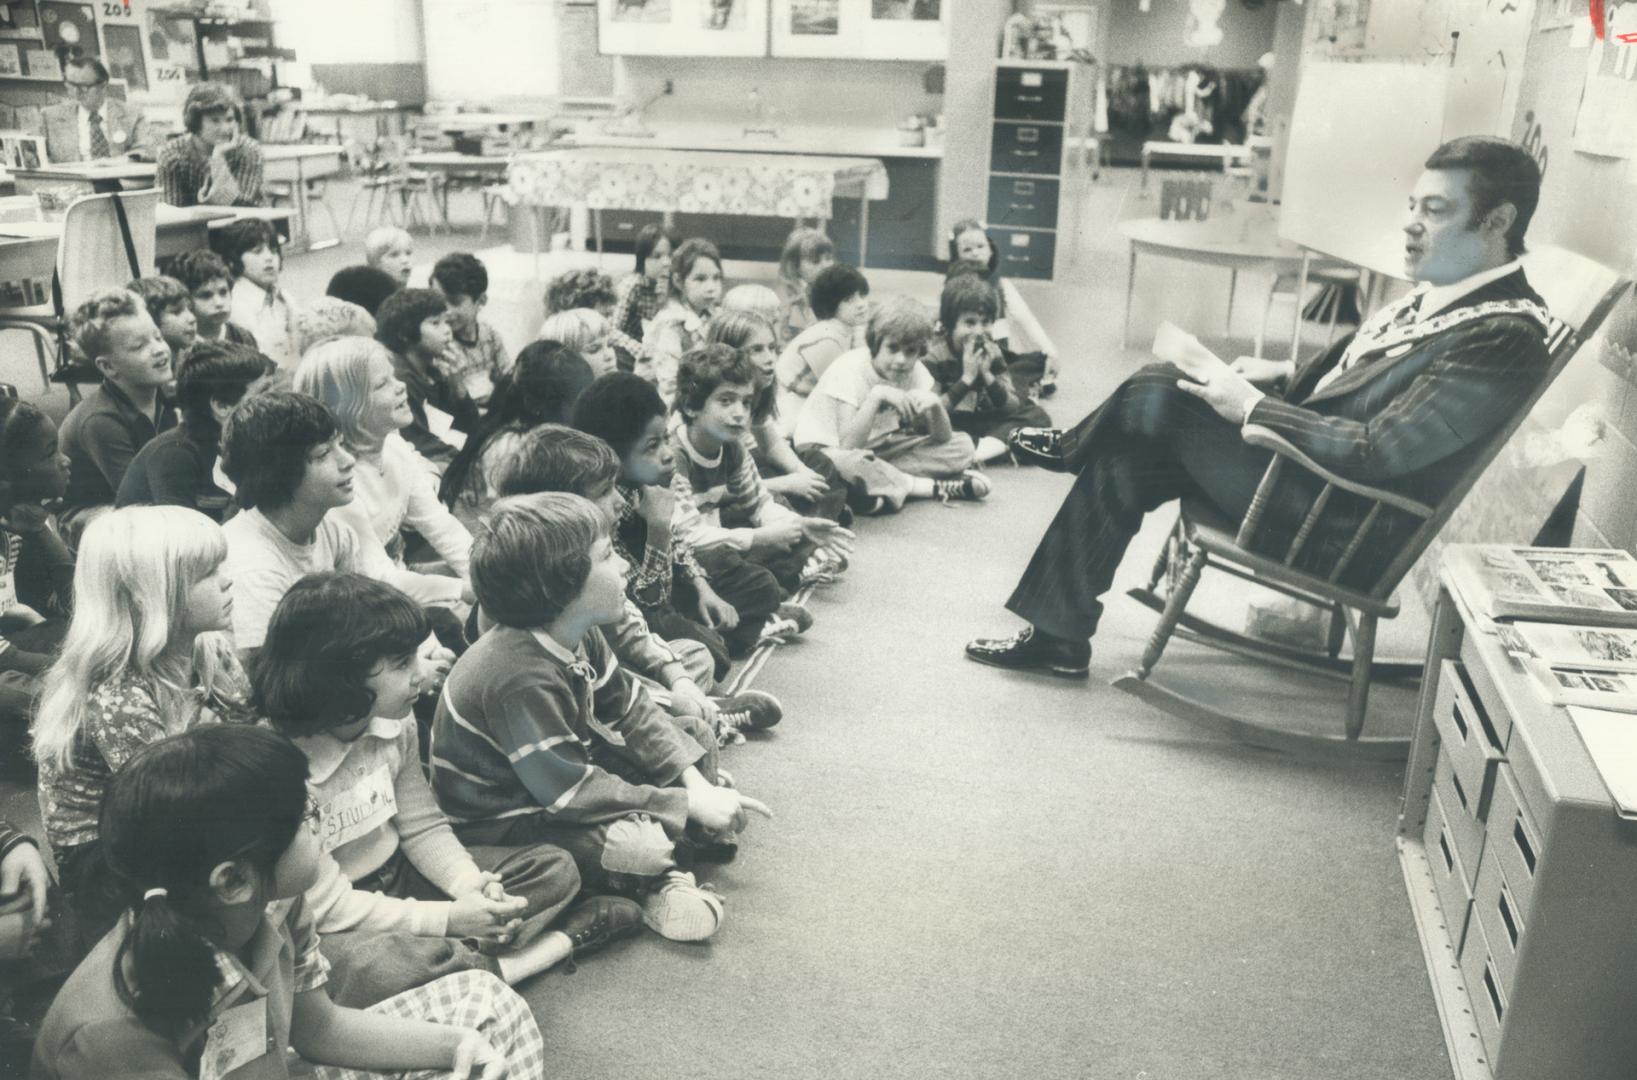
pixel 147 45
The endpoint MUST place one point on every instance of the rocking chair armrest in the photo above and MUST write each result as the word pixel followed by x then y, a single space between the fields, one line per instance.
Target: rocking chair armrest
pixel 1268 439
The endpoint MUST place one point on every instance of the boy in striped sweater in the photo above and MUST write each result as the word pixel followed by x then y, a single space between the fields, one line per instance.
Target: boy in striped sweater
pixel 541 737
pixel 720 496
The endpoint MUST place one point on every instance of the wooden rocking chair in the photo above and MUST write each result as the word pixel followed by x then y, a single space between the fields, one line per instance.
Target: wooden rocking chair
pixel 1580 293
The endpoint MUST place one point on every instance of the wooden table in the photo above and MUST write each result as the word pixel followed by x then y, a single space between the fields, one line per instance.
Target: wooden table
pixel 1247 241
pixel 478 121
pixel 382 111
pixel 108 174
pixel 1217 153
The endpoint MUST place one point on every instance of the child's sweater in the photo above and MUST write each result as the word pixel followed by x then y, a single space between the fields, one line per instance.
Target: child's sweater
pixel 373 800
pixel 719 499
pixel 522 722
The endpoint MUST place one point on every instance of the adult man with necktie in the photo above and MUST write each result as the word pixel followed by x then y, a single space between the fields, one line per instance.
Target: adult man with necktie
pixel 90 124
pixel 1402 404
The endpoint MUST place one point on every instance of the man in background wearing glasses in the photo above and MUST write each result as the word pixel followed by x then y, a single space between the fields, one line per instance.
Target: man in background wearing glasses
pixel 90 124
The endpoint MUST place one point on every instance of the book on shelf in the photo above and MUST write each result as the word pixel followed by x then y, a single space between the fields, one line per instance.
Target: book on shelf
pixel 1611 740
pixel 1591 586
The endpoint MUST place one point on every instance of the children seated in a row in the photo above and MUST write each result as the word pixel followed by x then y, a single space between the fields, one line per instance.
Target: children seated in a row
pixel 720 496
pixel 643 293
pixel 36 567
pixel 213 966
pixel 840 302
pixel 877 414
pixel 541 737
pixel 399 900
pixel 695 292
pixel 806 252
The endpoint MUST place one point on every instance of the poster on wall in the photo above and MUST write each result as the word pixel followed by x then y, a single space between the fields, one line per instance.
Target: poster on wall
pixel 41 64
pixel 11 59
pixel 173 42
pixel 71 29
pixel 916 10
pixel 725 15
pixel 1339 26
pixel 19 20
pixel 642 11
pixel 125 55
pixel 1602 124
pixel 815 18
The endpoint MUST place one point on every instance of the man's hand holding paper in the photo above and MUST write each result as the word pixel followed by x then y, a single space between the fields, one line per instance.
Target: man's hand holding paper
pixel 1209 378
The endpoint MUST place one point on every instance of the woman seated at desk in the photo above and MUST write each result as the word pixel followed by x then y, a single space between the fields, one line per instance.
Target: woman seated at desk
pixel 213 162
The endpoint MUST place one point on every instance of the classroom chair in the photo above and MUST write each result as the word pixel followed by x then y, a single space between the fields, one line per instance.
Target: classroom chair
pixel 393 191
pixel 1580 293
pixel 106 241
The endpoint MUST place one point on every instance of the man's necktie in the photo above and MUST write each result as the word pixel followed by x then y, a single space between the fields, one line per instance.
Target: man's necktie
pixel 99 140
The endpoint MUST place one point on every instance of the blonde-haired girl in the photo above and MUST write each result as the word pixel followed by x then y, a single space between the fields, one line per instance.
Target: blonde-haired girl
pixel 392 485
pixel 586 332
pixel 147 654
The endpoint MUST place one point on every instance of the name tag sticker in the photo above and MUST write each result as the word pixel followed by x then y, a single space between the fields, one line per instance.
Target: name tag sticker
pixel 238 1037
pixel 443 426
pixel 358 811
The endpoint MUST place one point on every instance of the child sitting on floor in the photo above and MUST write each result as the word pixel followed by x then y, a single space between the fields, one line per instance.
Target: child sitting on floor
pixel 677 672
pixel 475 356
pixel 541 737
pixel 810 485
pixel 36 567
pixel 840 297
pixel 171 310
pixel 210 292
pixel 366 286
pixel 104 431
pixel 695 290
pixel 251 249
pixel 414 324
pixel 398 897
pixel 593 290
pixel 806 252
pixel 178 467
pixel 719 493
pixel 147 654
pixel 877 414
pixel 392 251
pixel 643 293
pixel 213 967
pixel 329 317
pixel 730 596
pixel 971 248
pixel 970 368
pixel 586 332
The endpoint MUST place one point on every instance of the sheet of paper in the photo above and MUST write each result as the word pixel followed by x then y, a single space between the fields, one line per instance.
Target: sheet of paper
pixel 1611 740
pixel 1176 346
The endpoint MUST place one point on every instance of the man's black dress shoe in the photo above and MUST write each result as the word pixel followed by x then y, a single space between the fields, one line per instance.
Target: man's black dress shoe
pixel 1031 650
pixel 1038 446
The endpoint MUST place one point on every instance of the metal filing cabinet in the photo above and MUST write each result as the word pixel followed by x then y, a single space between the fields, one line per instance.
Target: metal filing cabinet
pixel 1521 875
pixel 1040 108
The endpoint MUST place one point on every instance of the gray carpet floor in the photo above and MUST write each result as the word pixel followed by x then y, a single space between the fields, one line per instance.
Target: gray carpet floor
pixel 979 874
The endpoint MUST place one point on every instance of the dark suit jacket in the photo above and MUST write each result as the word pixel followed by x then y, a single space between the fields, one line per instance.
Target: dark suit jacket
pixel 1410 418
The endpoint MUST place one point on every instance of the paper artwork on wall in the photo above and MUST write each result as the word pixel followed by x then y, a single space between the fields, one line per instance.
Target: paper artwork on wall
pixel 125 55
pixel 815 18
pixel 69 28
pixel 1204 26
pixel 11 60
pixel 173 40
pixel 642 11
pixel 919 10
pixel 1602 125
pixel 19 20
pixel 724 15
pixel 41 64
pixel 1339 25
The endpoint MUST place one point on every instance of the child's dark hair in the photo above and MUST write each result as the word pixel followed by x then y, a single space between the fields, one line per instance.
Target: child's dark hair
pixel 540 388
pixel 553 457
pixel 179 808
pixel 833 285
pixel 584 288
pixel 684 257
pixel 648 238
pixel 215 371
pixel 326 638
pixel 969 225
pixel 398 322
pixel 803 245
pixel 161 294
pixel 233 240
pixel 366 286
pixel 533 555
pixel 735 328
pixel 702 370
pixel 967 294
pixel 19 420
pixel 901 321
pixel 616 408
pixel 265 446
pixel 199 267
pixel 460 274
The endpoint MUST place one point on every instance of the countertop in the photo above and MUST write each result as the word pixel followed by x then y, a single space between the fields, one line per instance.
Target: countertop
pixel 792 139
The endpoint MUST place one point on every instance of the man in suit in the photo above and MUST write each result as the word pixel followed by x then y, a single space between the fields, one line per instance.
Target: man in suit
pixel 1402 404
pixel 90 124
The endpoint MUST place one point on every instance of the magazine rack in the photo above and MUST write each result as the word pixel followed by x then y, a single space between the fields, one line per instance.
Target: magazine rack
pixel 1202 537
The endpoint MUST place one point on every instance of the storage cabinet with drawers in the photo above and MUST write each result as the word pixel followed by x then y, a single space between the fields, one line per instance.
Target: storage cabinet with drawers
pixel 1038 113
pixel 1521 874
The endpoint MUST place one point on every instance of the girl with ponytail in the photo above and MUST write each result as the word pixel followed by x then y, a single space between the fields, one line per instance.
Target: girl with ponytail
pixel 146 655
pixel 213 967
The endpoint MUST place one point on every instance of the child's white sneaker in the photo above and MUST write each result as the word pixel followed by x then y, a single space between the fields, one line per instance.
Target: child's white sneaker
pixel 679 910
pixel 971 486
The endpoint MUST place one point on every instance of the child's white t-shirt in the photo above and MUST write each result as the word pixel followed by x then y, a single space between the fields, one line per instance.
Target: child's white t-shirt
pixel 841 391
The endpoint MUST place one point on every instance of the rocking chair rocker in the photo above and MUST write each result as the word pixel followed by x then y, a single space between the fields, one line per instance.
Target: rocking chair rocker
pixel 1583 292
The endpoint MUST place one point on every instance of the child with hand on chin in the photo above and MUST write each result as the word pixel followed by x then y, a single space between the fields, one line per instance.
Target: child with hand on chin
pixel 970 368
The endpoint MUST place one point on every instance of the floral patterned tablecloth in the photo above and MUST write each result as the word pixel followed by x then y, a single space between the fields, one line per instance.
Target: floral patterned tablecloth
pixel 692 181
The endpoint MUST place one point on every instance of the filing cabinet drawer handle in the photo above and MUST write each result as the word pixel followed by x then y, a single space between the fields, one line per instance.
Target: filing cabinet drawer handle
pixel 1022 206
pixel 1460 792
pixel 1443 848
pixel 1022 187
pixel 1508 920
pixel 1525 848
pixel 1494 994
pixel 1036 98
pixel 1026 153
pixel 1460 720
pixel 1028 134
